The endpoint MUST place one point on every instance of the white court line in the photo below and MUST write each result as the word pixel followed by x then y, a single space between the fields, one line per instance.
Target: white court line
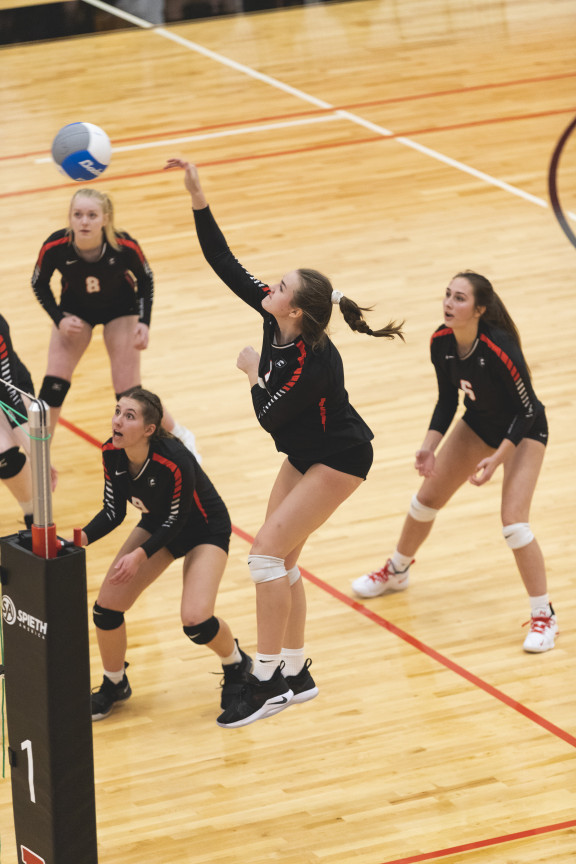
pixel 320 103
pixel 222 133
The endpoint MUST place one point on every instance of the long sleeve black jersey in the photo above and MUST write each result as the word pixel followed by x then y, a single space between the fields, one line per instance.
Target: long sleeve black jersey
pixel 13 371
pixel 120 276
pixel 172 492
pixel 495 381
pixel 300 398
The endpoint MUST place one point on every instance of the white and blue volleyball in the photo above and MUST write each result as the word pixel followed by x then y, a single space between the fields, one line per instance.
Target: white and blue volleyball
pixel 82 151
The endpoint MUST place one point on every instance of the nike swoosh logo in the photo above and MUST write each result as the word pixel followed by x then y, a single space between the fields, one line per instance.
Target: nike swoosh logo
pixel 74 261
pixel 282 701
pixel 118 473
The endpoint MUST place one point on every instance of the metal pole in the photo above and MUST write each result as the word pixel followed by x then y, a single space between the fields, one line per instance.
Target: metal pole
pixel 38 420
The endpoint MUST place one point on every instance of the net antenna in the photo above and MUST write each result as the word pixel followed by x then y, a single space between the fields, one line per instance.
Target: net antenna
pixel 44 540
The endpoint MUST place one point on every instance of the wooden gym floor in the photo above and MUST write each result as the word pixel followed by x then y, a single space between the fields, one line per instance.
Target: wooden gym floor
pixel 389 144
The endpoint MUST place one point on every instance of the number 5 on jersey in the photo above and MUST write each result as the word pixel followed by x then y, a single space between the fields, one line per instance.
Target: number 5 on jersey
pixel 466 386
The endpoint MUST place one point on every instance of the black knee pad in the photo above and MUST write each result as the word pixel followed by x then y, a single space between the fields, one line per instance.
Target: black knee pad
pixel 54 390
pixel 11 463
pixel 126 392
pixel 204 632
pixel 107 619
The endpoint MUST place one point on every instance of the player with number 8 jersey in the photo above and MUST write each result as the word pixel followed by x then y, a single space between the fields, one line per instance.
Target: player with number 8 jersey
pixel 105 279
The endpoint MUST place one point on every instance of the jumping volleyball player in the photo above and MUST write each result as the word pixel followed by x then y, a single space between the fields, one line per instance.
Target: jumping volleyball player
pixel 182 517
pixel 477 350
pixel 105 280
pixel 298 393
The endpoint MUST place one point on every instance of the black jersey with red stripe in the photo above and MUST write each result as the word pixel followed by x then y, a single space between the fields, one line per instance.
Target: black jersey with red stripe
pixel 494 378
pixel 300 398
pixel 119 277
pixel 171 489
pixel 13 371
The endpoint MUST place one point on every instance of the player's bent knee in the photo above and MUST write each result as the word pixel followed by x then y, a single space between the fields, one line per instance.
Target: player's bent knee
pixel 54 390
pixel 266 568
pixel 518 535
pixel 11 463
pixel 420 512
pixel 204 632
pixel 107 619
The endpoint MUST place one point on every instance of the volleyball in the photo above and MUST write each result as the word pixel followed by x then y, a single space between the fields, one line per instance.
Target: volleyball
pixel 82 151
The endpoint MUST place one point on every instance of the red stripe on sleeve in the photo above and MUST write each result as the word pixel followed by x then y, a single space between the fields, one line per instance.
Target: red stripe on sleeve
pixel 502 355
pixel 131 244
pixel 444 332
pixel 47 246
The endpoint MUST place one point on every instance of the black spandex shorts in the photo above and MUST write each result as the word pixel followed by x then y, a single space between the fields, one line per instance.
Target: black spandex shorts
pixel 196 534
pixel 103 315
pixel 356 461
pixel 493 436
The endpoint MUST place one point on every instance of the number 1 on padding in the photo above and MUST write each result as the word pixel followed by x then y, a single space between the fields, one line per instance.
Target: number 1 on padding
pixel 27 745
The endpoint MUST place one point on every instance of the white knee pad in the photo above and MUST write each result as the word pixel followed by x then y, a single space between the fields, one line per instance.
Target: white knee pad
pixel 293 574
pixel 420 512
pixel 518 535
pixel 265 568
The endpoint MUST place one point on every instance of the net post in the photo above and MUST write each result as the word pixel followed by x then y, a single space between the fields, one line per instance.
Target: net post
pixel 44 540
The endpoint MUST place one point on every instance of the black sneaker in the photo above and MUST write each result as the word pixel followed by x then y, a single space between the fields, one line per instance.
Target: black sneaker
pixel 234 678
pixel 256 700
pixel 104 698
pixel 302 684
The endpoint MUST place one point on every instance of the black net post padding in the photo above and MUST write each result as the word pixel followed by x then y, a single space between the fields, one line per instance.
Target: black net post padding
pixel 47 679
pixel 553 182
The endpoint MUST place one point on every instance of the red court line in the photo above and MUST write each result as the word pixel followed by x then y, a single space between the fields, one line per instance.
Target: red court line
pixel 349 142
pixel 484 844
pixel 314 112
pixel 80 432
pixel 401 634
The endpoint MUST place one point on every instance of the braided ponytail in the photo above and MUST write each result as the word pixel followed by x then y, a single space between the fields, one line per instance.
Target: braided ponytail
pixel 315 297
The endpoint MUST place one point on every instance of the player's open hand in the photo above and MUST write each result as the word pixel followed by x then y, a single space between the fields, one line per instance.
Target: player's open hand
pixel 425 462
pixel 191 176
pixel 127 566
pixel 70 325
pixel 484 471
pixel 141 334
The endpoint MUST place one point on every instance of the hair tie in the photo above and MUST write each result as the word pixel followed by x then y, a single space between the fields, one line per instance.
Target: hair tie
pixel 336 297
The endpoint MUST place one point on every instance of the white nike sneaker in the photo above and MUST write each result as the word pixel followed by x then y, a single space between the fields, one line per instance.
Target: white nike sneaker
pixel 543 631
pixel 382 581
pixel 188 439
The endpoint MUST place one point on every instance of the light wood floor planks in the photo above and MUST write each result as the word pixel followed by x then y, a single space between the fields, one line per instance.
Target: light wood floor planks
pixel 434 738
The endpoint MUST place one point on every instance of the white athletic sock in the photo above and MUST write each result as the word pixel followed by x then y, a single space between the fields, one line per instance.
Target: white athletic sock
pixel 293 660
pixel 235 657
pixel 540 604
pixel 115 677
pixel 265 665
pixel 400 562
